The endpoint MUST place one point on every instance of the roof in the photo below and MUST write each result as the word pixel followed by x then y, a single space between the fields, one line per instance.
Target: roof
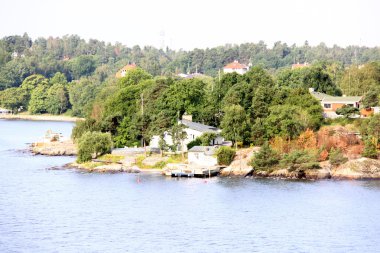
pixel 198 126
pixel 209 150
pixel 124 69
pixel 235 65
pixel 319 95
pixel 300 65
pixel 351 99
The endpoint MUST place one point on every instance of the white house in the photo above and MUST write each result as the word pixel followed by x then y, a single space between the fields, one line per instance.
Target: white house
pixel 202 155
pixel 235 67
pixel 193 130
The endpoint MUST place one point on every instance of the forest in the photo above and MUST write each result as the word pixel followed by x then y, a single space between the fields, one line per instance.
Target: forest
pixel 72 76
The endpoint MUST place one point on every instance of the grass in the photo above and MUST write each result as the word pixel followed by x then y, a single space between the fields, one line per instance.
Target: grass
pixel 111 158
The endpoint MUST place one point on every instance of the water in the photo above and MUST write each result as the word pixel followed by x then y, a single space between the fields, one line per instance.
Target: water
pixel 68 211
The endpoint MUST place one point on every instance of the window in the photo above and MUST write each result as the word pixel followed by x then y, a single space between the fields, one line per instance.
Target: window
pixel 327 106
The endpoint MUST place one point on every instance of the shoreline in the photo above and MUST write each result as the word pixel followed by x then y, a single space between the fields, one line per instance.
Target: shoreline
pixel 42 117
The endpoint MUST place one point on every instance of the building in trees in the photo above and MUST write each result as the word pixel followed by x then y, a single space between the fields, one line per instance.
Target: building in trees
pixel 123 71
pixel 235 67
pixel 332 103
pixel 300 65
pixel 193 130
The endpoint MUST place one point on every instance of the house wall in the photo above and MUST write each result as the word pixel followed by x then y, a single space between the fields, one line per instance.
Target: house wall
pixel 191 135
pixel 239 71
pixel 335 106
pixel 200 158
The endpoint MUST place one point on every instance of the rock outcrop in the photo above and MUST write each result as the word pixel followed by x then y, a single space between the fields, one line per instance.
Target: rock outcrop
pixel 240 166
pixel 362 168
pixel 55 148
pixel 104 168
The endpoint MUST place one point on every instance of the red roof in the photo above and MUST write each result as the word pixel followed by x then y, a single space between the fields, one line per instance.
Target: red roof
pixel 300 65
pixel 235 65
pixel 125 69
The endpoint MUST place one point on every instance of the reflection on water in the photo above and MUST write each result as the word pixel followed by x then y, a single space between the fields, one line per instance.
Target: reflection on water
pixel 69 211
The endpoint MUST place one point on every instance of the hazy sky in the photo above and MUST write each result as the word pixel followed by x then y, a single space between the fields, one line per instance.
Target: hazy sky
pixel 197 23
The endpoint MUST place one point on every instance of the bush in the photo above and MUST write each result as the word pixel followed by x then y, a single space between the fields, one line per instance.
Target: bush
pixel 93 144
pixel 299 159
pixel 265 159
pixel 370 149
pixel 82 126
pixel 206 138
pixel 225 155
pixel 336 157
pixel 196 142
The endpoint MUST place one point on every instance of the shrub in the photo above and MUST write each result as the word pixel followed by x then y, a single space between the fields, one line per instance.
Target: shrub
pixel 265 158
pixel 82 126
pixel 370 149
pixel 93 144
pixel 206 138
pixel 225 155
pixel 196 142
pixel 299 159
pixel 336 157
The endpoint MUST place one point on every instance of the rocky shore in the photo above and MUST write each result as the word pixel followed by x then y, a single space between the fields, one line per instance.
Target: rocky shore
pixel 42 117
pixel 361 168
pixel 103 168
pixel 56 148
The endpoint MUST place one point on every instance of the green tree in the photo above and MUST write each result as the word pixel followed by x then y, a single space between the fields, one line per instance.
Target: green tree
pixel 347 111
pixel 225 155
pixel 38 100
pixel 207 138
pixel 57 100
pixel 31 82
pixel 336 157
pixel 14 99
pixel 370 150
pixel 81 95
pixel 92 145
pixel 134 77
pixel 178 135
pixel 265 159
pixel 83 65
pixel 371 98
pixel 234 125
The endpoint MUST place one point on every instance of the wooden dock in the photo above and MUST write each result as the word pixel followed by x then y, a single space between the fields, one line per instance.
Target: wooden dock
pixel 193 171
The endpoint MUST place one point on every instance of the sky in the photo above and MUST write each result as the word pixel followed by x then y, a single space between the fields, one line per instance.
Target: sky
pixel 189 24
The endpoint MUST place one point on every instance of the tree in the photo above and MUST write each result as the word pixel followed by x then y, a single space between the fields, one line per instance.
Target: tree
pixel 234 124
pixel 265 159
pixel 58 78
pixel 92 145
pixel 207 138
pixel 38 100
pixel 178 136
pixel 371 98
pixel 370 150
pixel 14 99
pixel 134 77
pixel 81 95
pixel 347 111
pixel 83 65
pixel 373 128
pixel 225 155
pixel 31 82
pixel 57 100
pixel 336 157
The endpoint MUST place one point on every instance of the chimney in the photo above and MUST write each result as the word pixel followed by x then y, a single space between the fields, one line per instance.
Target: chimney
pixel 188 117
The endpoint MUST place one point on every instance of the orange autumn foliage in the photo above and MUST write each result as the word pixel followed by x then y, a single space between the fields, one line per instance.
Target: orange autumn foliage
pixel 307 140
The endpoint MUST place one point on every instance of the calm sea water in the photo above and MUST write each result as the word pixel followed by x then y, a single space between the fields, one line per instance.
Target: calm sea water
pixel 45 210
